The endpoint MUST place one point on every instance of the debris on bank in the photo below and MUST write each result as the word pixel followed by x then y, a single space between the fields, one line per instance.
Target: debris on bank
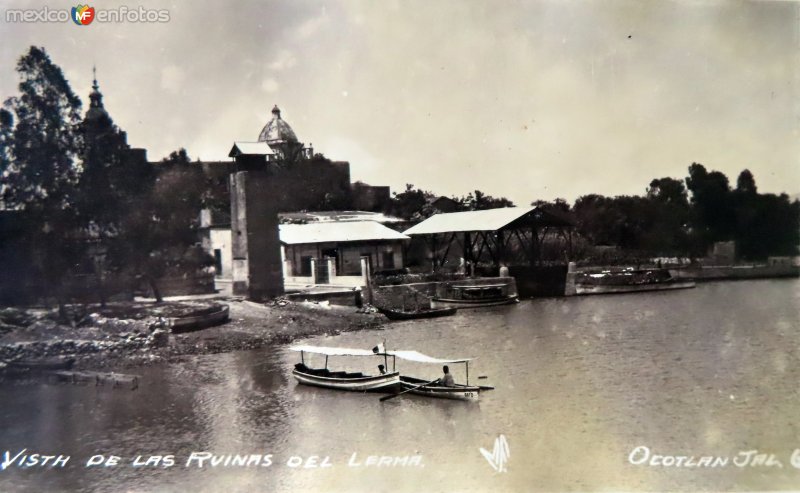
pixel 141 333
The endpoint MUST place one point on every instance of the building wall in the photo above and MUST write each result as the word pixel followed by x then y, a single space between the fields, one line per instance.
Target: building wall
pixel 221 240
pixel 350 253
pixel 351 256
pixel 369 198
pixel 316 184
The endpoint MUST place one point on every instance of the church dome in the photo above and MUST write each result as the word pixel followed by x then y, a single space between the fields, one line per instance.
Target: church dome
pixel 97 119
pixel 96 111
pixel 277 131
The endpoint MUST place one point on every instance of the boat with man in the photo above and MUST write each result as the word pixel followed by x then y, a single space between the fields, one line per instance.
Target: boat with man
pixel 436 388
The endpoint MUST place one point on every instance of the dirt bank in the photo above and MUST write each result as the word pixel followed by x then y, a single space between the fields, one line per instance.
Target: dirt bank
pixel 128 335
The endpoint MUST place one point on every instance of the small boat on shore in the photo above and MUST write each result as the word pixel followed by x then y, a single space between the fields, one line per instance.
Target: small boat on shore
pixel 340 380
pixel 474 296
pixel 40 365
pixel 405 315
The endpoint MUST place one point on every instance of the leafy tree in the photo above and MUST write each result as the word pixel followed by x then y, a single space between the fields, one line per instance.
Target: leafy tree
pixel 411 204
pixel 713 218
pixel 746 183
pixel 39 144
pixel 480 201
pixel 558 205
pixel 766 224
pixel 668 191
pixel 160 234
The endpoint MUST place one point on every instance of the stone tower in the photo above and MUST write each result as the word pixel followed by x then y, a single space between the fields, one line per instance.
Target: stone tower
pixel 258 192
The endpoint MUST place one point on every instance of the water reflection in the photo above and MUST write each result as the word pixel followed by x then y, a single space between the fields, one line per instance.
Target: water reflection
pixel 579 383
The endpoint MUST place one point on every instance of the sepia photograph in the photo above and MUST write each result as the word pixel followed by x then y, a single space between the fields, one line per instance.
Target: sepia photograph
pixel 399 246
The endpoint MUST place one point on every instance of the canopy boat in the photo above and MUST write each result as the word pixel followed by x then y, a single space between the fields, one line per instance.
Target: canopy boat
pixel 419 386
pixel 474 296
pixel 628 281
pixel 406 315
pixel 341 380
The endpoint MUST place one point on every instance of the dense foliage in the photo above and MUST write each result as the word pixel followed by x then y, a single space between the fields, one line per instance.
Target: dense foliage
pixel 90 207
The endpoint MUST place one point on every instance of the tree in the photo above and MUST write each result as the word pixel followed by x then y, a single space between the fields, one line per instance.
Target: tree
pixel 713 217
pixel 669 212
pixel 745 183
pixel 160 234
pixel 558 205
pixel 411 204
pixel 40 143
pixel 668 191
pixel 480 201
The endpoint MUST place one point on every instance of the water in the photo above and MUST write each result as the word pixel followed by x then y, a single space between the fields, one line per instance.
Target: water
pixel 580 383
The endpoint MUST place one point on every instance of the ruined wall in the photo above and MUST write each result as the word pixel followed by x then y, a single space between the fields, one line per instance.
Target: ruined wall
pixel 255 244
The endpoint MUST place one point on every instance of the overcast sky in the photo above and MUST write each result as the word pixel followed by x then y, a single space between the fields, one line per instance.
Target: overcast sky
pixel 528 100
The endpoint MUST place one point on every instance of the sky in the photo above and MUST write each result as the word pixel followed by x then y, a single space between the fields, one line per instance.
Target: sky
pixel 527 100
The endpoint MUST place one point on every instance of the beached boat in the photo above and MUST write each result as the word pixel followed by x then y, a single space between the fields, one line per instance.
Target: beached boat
pixel 474 296
pixel 40 365
pixel 628 281
pixel 405 315
pixel 340 380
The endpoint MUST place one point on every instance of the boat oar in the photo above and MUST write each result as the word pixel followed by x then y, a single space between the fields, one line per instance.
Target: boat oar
pixel 485 387
pixel 387 397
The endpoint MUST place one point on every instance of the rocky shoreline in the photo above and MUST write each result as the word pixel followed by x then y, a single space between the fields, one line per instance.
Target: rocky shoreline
pixel 131 335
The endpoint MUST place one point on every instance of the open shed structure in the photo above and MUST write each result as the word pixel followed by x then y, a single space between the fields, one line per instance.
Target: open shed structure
pixel 505 236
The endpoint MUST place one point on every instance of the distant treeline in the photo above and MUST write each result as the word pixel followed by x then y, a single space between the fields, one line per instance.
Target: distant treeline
pixel 674 217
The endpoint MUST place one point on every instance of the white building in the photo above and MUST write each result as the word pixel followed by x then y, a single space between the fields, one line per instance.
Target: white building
pixel 333 249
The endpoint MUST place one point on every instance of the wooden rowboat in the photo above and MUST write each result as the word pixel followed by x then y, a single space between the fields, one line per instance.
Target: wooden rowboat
pixel 418 386
pixel 403 315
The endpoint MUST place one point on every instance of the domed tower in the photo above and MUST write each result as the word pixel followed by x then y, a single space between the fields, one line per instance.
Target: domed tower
pixel 97 119
pixel 280 137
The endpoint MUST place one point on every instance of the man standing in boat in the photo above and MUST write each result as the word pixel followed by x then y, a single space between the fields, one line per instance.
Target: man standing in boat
pixel 447 379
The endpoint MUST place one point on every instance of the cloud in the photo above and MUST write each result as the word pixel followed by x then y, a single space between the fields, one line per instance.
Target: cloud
pixel 172 78
pixel 270 85
pixel 284 60
pixel 310 27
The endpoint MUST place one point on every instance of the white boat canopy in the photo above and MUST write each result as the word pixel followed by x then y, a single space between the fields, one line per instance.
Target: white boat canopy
pixel 333 351
pixel 406 355
pixel 423 358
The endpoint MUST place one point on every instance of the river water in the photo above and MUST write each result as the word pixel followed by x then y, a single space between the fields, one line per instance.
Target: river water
pixel 592 393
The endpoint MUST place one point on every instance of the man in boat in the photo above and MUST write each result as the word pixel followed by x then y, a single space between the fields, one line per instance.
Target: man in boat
pixel 382 370
pixel 447 379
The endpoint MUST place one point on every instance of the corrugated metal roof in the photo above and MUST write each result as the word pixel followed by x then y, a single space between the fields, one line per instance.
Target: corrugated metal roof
pixel 323 232
pixel 250 149
pixel 339 216
pixel 487 220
